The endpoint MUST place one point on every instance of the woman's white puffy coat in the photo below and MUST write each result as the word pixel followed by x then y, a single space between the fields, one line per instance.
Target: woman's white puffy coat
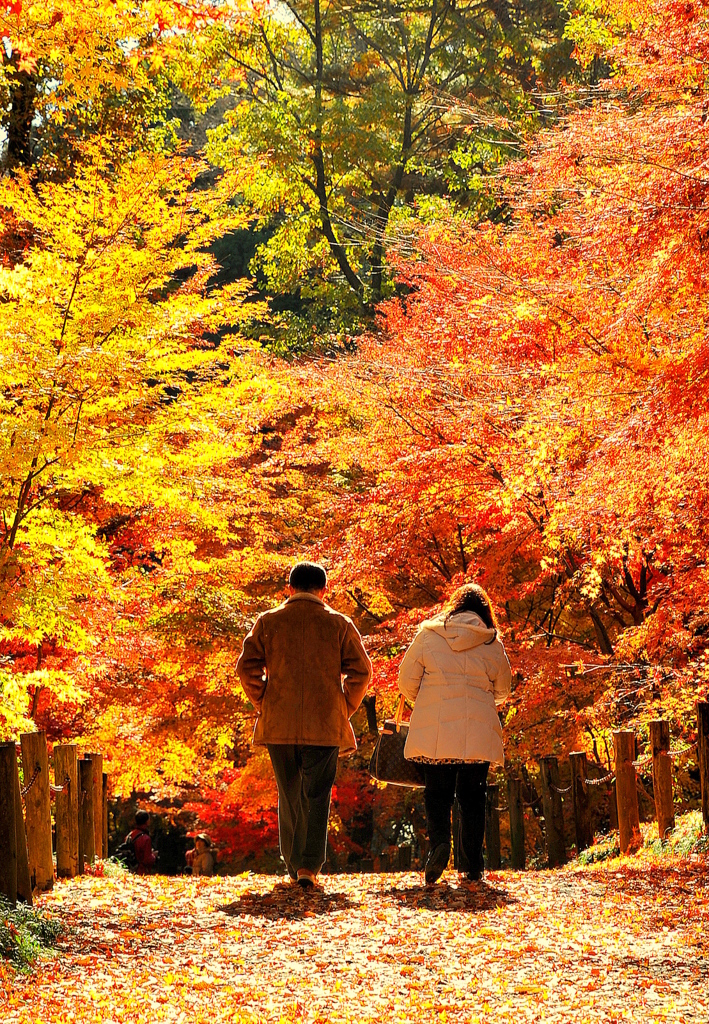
pixel 456 673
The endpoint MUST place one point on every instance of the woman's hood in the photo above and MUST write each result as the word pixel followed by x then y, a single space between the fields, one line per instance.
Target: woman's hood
pixel 462 631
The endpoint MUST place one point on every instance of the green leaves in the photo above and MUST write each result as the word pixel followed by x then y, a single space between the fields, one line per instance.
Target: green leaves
pixel 350 112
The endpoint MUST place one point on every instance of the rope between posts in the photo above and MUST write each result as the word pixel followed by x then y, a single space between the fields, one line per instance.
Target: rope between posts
pixel 679 751
pixel 642 761
pixel 37 772
pixel 561 792
pixel 60 789
pixel 600 782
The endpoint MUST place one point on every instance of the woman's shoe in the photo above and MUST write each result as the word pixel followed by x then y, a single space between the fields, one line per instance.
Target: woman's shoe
pixel 437 863
pixel 474 876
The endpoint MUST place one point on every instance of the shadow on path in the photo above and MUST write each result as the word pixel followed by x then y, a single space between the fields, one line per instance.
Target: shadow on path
pixel 289 902
pixel 480 897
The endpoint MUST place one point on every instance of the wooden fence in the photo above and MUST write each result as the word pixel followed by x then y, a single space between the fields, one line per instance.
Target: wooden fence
pixel 81 813
pixel 622 783
pixel 80 791
pixel 622 786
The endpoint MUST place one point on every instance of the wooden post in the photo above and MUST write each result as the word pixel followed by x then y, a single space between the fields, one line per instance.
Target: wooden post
pixel 38 811
pixel 8 837
pixel 104 816
pixel 553 812
pixel 24 882
pixel 703 756
pixel 405 857
pixel 87 851
pixel 626 791
pixel 66 811
pixel 97 769
pixel 580 801
pixel 492 827
pixel 516 808
pixel 662 776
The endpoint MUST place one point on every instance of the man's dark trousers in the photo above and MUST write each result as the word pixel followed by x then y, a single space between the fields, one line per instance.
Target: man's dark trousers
pixel 304 775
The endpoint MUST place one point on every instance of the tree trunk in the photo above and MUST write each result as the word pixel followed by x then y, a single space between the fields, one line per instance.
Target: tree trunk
pixel 381 219
pixel 370 706
pixel 613 807
pixel 336 248
pixel 19 125
pixel 604 641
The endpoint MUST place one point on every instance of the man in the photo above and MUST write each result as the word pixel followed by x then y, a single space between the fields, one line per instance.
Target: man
pixel 305 670
pixel 136 851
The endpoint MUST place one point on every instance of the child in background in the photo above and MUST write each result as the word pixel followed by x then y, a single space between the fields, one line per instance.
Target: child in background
pixel 201 858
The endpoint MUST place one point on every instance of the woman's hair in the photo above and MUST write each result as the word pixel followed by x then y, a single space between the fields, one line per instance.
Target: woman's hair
pixel 472 598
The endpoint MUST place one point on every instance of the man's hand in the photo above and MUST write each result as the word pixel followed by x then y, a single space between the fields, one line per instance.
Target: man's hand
pixel 251 666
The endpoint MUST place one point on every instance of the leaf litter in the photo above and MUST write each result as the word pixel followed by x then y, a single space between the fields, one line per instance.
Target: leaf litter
pixel 606 944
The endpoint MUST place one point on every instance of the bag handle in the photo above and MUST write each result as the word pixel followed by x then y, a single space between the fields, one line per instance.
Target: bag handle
pixel 400 712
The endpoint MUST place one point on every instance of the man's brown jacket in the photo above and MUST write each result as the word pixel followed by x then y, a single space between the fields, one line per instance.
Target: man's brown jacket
pixel 304 669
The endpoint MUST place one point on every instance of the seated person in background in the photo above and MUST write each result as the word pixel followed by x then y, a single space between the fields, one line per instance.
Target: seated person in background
pixel 201 859
pixel 136 850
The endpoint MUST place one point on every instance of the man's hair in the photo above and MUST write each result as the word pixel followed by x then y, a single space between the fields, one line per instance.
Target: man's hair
pixel 141 817
pixel 308 576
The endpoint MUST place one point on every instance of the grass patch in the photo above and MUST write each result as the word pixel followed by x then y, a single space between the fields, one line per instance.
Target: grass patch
pixel 25 933
pixel 686 838
pixel 113 868
pixel 604 849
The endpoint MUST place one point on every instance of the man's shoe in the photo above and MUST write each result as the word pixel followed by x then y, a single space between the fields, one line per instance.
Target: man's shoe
pixel 474 876
pixel 437 863
pixel 307 879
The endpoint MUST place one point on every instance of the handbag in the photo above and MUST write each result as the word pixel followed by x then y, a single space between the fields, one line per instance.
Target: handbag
pixel 388 763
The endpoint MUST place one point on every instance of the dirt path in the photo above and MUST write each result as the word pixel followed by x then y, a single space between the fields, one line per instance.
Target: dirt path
pixel 581 945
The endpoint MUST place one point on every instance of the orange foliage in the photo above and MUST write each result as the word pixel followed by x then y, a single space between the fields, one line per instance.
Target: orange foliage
pixel 532 413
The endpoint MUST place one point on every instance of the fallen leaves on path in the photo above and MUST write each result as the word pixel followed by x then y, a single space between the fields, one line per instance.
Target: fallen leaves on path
pixel 618 944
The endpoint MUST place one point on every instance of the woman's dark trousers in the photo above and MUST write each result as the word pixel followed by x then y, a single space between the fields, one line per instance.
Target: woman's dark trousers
pixel 467 782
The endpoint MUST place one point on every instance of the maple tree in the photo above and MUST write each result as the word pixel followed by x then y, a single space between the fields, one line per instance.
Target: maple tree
pixel 542 435
pixel 352 115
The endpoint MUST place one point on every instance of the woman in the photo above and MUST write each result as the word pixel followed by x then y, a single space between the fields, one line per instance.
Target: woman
pixel 201 859
pixel 456 672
